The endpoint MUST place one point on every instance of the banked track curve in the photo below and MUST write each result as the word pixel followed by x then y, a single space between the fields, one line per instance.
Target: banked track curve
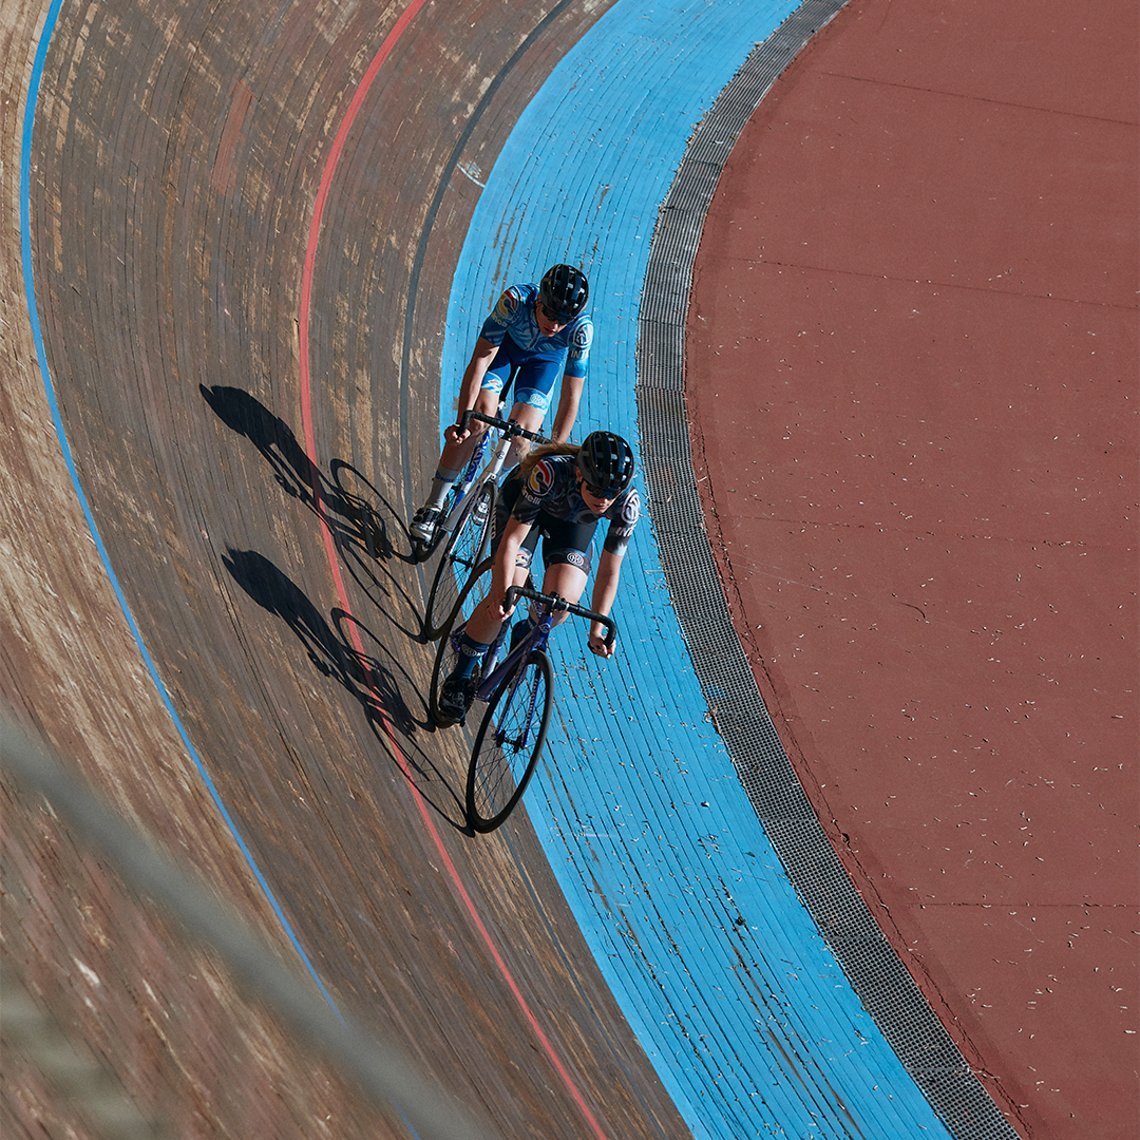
pixel 171 189
pixel 373 683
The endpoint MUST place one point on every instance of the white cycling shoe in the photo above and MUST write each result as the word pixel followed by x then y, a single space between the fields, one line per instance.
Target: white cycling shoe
pixel 424 523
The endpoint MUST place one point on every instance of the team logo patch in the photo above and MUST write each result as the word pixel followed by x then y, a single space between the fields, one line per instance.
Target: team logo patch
pixel 581 337
pixel 541 479
pixel 576 558
pixel 508 302
pixel 629 512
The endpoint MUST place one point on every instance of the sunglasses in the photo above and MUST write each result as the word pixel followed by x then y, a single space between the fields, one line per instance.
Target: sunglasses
pixel 557 318
pixel 599 492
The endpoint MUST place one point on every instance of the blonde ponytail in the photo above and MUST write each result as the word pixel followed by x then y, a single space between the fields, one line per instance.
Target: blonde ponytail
pixel 544 452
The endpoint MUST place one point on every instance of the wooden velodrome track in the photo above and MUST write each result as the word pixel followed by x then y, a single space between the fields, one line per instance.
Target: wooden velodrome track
pixel 154 123
pixel 210 298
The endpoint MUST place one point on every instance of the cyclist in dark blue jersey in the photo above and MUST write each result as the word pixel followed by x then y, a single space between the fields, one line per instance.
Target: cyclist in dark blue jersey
pixel 540 333
pixel 560 493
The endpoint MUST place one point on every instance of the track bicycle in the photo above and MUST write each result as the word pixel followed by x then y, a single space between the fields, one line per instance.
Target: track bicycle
pixel 464 528
pixel 516 694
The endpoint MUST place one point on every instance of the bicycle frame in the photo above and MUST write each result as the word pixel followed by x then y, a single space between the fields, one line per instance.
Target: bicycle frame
pixel 471 483
pixel 536 640
pixel 539 636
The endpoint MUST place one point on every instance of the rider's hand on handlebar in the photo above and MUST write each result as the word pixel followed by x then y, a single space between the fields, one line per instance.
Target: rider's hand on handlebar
pixel 456 433
pixel 598 643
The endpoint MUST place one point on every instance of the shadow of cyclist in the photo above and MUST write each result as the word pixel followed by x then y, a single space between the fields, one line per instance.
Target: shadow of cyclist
pixel 389 594
pixel 292 468
pixel 352 517
pixel 372 683
pixel 356 514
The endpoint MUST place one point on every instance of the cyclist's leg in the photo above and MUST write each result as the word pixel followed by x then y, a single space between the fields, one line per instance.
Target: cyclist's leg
pixel 527 416
pixel 457 691
pixel 533 387
pixel 484 624
pixel 567 579
pixel 567 550
pixel 455 456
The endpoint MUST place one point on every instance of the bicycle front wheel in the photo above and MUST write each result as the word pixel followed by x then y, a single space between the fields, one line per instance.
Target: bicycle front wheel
pixel 465 549
pixel 509 741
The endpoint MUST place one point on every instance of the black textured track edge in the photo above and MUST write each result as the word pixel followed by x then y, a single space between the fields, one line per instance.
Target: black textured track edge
pixel 881 981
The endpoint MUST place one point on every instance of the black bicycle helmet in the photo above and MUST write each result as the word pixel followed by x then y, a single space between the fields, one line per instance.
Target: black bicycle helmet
pixel 563 292
pixel 606 463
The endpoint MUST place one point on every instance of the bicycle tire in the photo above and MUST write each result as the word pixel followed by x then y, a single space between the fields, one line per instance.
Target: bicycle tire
pixel 505 753
pixel 477 587
pixel 466 547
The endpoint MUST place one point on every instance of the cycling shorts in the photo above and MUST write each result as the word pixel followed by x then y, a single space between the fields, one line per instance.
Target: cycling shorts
pixel 566 542
pixel 536 375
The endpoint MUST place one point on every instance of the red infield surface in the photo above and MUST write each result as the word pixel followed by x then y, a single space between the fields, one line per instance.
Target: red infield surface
pixel 912 375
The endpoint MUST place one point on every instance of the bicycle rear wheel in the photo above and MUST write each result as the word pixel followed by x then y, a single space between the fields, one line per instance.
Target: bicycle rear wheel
pixel 476 589
pixel 509 741
pixel 465 549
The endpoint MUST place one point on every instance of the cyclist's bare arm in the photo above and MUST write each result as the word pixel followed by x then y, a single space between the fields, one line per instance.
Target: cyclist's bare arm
pixel 567 407
pixel 602 600
pixel 469 390
pixel 506 557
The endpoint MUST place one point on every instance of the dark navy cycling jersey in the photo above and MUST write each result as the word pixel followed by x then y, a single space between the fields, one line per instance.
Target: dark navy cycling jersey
pixel 551 490
pixel 513 315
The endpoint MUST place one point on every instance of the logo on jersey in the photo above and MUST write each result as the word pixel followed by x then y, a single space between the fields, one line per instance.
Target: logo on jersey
pixel 541 480
pixel 580 340
pixel 506 306
pixel 629 511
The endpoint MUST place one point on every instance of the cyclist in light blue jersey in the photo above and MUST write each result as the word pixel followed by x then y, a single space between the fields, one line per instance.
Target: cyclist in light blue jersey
pixel 535 333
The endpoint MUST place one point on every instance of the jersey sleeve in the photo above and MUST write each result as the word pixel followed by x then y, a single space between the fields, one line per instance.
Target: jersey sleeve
pixel 500 318
pixel 625 513
pixel 578 354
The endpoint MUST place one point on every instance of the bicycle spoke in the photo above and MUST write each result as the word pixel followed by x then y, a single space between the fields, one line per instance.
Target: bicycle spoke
pixel 507 747
pixel 462 554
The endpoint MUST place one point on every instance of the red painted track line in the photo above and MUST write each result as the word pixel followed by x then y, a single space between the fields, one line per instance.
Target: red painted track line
pixel 323 189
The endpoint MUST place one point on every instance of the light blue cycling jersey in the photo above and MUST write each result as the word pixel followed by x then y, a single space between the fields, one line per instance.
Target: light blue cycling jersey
pixel 536 361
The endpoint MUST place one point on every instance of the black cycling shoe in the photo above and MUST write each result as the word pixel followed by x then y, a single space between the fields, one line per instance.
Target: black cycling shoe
pixel 455 698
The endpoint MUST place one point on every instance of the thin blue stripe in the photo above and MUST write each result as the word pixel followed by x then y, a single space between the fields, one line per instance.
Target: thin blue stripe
pixel 731 989
pixel 41 355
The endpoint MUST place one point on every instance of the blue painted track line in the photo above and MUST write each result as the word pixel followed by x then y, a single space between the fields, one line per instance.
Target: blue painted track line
pixel 34 81
pixel 733 993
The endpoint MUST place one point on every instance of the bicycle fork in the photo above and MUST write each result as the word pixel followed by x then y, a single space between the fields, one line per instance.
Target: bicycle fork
pixel 534 641
pixel 528 720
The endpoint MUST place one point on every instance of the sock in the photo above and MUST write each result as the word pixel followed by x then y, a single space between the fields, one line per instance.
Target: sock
pixel 470 656
pixel 440 485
